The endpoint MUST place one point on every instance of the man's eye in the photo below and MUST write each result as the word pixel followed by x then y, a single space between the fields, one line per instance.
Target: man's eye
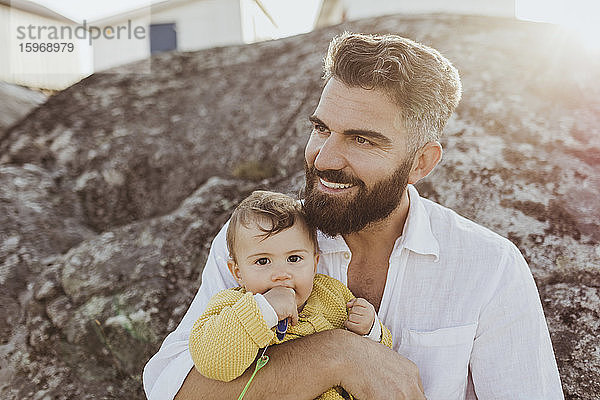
pixel 294 259
pixel 361 140
pixel 320 128
pixel 262 261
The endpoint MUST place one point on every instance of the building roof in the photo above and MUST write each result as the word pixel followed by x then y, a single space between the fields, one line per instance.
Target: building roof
pixel 37 9
pixel 159 5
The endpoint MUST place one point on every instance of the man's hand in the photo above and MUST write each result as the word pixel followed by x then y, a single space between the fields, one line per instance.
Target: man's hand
pixel 283 301
pixel 361 315
pixel 378 372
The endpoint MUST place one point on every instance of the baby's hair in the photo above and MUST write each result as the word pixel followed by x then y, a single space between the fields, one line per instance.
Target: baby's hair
pixel 271 212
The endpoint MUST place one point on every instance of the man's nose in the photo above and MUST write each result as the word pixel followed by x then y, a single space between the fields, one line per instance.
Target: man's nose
pixel 330 155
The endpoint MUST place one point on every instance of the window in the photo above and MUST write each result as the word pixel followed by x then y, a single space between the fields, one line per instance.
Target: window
pixel 163 37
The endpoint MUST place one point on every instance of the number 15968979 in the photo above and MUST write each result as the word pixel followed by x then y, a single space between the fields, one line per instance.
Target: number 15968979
pixel 58 47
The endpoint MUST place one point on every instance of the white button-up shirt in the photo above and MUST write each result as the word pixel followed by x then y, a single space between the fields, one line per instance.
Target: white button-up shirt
pixel 460 301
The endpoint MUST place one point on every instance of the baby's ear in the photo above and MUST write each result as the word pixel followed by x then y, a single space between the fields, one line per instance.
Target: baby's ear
pixel 235 270
pixel 316 261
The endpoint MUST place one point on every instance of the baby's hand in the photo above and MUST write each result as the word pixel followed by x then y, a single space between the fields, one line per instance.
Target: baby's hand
pixel 361 315
pixel 283 301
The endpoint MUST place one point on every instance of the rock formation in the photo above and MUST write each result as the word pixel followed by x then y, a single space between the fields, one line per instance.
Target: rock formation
pixel 15 103
pixel 111 191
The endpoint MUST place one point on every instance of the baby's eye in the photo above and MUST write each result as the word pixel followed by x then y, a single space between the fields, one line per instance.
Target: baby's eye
pixel 294 258
pixel 262 261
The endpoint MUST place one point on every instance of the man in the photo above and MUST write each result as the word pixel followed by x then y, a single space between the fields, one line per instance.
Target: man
pixel 459 300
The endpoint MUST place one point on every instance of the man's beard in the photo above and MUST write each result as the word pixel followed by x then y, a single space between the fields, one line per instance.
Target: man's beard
pixel 339 215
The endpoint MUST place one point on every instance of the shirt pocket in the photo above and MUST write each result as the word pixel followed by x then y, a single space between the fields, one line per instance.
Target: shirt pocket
pixel 442 356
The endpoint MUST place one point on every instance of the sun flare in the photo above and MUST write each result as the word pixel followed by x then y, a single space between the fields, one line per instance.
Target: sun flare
pixel 581 17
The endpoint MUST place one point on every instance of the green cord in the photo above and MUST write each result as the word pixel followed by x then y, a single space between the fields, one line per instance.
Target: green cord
pixel 261 362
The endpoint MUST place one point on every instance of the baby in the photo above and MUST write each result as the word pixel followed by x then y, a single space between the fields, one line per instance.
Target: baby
pixel 273 257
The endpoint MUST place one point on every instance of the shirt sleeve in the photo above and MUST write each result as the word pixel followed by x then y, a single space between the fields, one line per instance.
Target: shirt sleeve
pixel 165 372
pixel 379 333
pixel 513 319
pixel 267 311
pixel 375 332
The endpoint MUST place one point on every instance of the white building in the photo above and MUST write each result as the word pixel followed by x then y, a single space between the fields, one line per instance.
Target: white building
pixel 24 27
pixel 183 25
pixel 91 46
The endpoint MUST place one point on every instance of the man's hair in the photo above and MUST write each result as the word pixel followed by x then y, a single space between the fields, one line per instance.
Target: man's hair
pixel 422 82
pixel 271 212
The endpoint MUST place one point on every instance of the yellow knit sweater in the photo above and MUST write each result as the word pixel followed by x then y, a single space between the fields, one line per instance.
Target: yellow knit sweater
pixel 225 340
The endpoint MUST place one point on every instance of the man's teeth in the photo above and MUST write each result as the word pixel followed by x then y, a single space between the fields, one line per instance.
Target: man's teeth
pixel 332 185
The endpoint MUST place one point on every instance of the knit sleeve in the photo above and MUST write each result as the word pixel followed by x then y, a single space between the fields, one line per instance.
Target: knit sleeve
pixel 338 287
pixel 226 338
pixel 335 286
pixel 386 336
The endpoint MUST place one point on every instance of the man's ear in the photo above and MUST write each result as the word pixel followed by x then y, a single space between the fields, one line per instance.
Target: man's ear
pixel 235 271
pixel 426 158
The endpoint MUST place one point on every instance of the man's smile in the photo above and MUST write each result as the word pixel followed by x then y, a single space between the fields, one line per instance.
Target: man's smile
pixel 334 185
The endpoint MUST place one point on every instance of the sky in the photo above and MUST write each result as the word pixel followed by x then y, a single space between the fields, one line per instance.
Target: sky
pixel 547 10
pixel 297 16
pixel 579 16
pixel 294 16
pixel 90 10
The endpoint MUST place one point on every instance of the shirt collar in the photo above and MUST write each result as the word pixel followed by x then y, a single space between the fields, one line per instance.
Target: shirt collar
pixel 416 236
pixel 329 244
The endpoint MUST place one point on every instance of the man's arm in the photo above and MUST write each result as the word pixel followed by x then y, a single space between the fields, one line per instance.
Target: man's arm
pixel 304 368
pixel 512 353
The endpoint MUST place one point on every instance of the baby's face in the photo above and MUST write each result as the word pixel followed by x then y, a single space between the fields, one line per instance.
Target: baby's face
pixel 284 259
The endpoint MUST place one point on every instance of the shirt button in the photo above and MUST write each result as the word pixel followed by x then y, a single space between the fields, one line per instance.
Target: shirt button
pixel 347 255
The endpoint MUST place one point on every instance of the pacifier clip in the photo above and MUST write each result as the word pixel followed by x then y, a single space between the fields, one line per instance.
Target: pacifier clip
pixel 280 331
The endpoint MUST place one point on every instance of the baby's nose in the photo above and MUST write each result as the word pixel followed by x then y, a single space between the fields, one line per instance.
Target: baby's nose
pixel 280 274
